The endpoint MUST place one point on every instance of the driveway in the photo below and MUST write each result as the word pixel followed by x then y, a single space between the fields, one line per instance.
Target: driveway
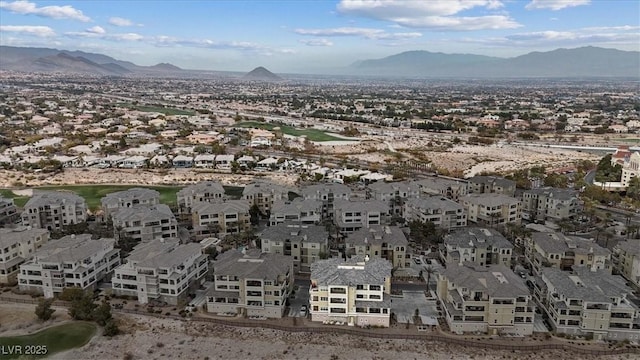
pixel 301 298
pixel 405 307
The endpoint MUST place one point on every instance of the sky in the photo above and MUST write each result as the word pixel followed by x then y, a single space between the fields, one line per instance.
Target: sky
pixel 309 36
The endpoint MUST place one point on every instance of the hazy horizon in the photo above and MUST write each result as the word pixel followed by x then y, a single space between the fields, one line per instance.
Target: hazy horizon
pixel 309 37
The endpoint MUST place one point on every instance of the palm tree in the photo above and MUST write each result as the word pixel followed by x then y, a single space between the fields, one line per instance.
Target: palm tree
pixel 429 270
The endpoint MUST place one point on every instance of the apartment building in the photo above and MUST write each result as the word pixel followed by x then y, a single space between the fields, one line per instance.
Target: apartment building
pixel 264 194
pixel 327 193
pixel 145 222
pixel 352 216
pixel 305 244
pixel 491 209
pixel 481 184
pixel 628 255
pixel 251 284
pixel 589 303
pixel 490 299
pixel 72 261
pixel 296 210
pixel 552 249
pixel 128 198
pixel 549 203
pixel 394 193
pixel 207 191
pixel 17 246
pixel 355 291
pixel 52 210
pixel 450 188
pixel 8 211
pixel 477 245
pixel 163 271
pixel 377 241
pixel 211 219
pixel 439 210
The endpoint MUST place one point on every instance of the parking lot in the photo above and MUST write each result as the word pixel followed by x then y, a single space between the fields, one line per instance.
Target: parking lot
pixel 296 302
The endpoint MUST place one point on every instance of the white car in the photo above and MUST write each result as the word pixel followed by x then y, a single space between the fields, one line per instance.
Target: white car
pixel 303 309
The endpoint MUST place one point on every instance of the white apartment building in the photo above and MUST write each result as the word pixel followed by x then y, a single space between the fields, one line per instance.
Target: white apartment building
pixel 439 210
pixel 305 244
pixel 352 216
pixel 145 222
pixel 590 303
pixel 128 198
pixel 327 193
pixel 251 284
pixel 629 260
pixel 491 300
pixel 72 261
pixel 376 241
pixel 264 194
pixel 52 210
pixel 492 209
pixel 17 246
pixel 207 191
pixel 8 210
pixel 297 210
pixel 162 270
pixel 477 245
pixel 549 203
pixel 630 168
pixel 551 249
pixel 355 292
pixel 211 219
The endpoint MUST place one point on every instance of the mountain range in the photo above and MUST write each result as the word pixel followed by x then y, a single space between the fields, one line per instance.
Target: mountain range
pixel 560 63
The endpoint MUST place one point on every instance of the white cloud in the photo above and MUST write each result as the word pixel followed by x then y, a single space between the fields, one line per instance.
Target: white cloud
pixel 368 33
pixel 42 31
pixel 432 14
pixel 96 30
pixel 555 4
pixel 127 37
pixel 316 42
pixel 118 21
pixel 54 12
pixel 244 46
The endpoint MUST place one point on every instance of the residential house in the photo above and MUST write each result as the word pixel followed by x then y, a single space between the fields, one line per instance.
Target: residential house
pixel 549 203
pixel 350 216
pixel 227 217
pixel 355 291
pixel 251 284
pixel 17 246
pixel 53 210
pixel 480 184
pixel 135 162
pixel 588 303
pixel 206 191
pixel 164 271
pixel 328 194
pixel 224 161
pixel 629 260
pixel 552 249
pixel 302 242
pixel 376 241
pixel 296 210
pixel 182 161
pixel 477 245
pixel 491 300
pixel 205 161
pixel 145 223
pixel 264 194
pixel 439 210
pixel 492 209
pixel 261 137
pixel 72 261
pixel 8 211
pixel 127 198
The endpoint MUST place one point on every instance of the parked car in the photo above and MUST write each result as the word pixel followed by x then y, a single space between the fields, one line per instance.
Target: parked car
pixel 303 309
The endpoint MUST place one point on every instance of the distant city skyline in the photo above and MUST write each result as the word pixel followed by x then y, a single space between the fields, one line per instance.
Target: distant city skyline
pixel 310 36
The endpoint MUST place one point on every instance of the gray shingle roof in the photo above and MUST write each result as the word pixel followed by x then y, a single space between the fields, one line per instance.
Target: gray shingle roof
pixel 152 249
pixel 303 233
pixel 495 280
pixel 143 213
pixel 252 265
pixel 173 256
pixel 377 234
pixel 211 187
pixel 477 238
pixel 434 203
pixel 229 206
pixel 9 237
pixel 560 194
pixel 296 206
pixel 313 191
pixel 557 243
pixel 632 247
pixel 72 248
pixel 500 181
pixel 586 285
pixel 42 198
pixel 354 271
pixel 489 199
pixel 130 194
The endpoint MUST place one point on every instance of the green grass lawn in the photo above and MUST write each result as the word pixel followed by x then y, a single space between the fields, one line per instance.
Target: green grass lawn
pixel 93 193
pixel 312 134
pixel 55 339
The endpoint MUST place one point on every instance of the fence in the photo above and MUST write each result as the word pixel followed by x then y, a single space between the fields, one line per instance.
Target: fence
pixel 374 333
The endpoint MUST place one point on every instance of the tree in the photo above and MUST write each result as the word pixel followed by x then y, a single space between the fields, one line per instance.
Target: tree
pixel 44 310
pixel 82 307
pixel 111 329
pixel 633 190
pixel 102 313
pixel 429 270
